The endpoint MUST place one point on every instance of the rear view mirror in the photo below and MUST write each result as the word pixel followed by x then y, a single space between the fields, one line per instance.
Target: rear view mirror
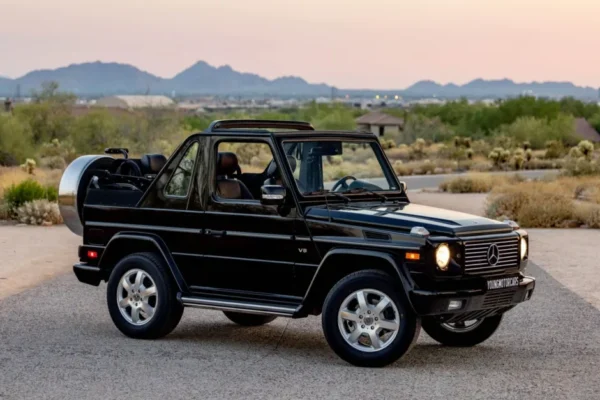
pixel 272 195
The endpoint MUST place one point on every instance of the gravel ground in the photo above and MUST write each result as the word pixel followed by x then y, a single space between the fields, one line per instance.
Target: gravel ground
pixel 58 342
pixel 32 254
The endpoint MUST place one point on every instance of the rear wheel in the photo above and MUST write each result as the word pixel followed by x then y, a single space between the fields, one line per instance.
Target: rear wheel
pixel 141 297
pixel 249 319
pixel 367 322
pixel 462 334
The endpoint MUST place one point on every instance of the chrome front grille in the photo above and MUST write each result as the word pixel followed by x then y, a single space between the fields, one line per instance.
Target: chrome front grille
pixel 478 251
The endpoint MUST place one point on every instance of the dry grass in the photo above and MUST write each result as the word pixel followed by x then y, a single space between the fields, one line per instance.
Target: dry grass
pixel 477 183
pixel 15 175
pixel 557 203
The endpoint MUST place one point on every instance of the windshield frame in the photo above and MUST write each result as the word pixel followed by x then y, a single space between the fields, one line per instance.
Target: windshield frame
pixel 386 167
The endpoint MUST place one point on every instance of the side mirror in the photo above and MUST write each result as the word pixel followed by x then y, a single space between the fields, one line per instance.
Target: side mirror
pixel 403 186
pixel 272 195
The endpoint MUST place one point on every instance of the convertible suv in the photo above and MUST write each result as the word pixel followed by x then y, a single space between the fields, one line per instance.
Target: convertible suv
pixel 267 219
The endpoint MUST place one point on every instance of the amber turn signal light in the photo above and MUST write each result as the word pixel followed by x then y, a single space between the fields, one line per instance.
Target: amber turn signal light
pixel 413 256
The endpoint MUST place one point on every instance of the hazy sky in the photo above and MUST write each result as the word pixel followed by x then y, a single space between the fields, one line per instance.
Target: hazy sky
pixel 349 43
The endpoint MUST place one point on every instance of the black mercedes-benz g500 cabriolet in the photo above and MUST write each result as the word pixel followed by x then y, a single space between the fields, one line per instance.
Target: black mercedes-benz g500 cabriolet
pixel 266 219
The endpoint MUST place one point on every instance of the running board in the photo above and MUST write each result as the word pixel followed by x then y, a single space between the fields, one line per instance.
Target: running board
pixel 239 306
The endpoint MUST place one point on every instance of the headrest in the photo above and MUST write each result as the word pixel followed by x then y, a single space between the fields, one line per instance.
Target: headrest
pixel 273 171
pixel 153 163
pixel 227 163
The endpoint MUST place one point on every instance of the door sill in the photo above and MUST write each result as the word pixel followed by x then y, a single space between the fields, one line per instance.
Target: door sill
pixel 237 306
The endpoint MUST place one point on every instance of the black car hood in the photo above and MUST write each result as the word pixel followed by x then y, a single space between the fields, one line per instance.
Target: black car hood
pixel 405 216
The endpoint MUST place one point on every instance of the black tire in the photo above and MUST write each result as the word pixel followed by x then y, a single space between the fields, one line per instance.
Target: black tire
pixel 249 319
pixel 408 332
pixel 477 335
pixel 168 309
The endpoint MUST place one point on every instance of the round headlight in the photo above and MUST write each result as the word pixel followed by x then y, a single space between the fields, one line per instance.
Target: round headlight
pixel 442 256
pixel 523 248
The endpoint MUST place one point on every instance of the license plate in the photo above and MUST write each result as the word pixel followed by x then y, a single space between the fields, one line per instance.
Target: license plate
pixel 502 283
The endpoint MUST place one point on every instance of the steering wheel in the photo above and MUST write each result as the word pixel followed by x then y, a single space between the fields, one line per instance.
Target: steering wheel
pixel 342 182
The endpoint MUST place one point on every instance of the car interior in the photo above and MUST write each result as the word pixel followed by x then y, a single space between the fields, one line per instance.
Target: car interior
pixel 233 183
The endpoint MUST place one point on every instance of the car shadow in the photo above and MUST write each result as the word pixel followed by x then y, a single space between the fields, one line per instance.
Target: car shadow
pixel 310 346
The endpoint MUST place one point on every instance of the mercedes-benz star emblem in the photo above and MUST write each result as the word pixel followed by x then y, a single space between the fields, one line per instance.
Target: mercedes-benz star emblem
pixel 493 254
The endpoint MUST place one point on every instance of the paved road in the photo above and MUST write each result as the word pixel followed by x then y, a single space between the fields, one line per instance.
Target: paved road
pixel 433 181
pixel 57 342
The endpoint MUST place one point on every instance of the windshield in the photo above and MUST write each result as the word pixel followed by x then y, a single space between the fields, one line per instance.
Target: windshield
pixel 339 166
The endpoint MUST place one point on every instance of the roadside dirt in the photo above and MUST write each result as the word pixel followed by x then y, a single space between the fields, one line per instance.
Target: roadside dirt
pixel 30 254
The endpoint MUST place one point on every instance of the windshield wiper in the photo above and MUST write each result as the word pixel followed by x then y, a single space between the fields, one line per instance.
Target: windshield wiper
pixel 327 192
pixel 365 190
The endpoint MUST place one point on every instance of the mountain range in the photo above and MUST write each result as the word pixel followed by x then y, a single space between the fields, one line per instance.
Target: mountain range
pixel 100 79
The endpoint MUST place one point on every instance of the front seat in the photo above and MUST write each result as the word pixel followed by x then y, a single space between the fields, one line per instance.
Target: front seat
pixel 152 163
pixel 274 174
pixel 227 186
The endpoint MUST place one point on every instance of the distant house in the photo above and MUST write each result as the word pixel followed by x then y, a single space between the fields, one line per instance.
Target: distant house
pixel 380 123
pixel 586 131
pixel 132 102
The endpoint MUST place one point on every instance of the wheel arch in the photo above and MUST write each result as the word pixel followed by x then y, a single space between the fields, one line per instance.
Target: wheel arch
pixel 125 243
pixel 340 262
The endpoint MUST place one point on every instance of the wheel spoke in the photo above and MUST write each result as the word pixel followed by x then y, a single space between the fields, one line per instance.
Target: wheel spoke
pixel 382 305
pixel 354 335
pixel 349 316
pixel 124 303
pixel 138 280
pixel 147 310
pixel 135 314
pixel 126 285
pixel 375 341
pixel 389 325
pixel 362 302
pixel 146 292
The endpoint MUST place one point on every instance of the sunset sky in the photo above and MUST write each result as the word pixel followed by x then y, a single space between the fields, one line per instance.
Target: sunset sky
pixel 350 44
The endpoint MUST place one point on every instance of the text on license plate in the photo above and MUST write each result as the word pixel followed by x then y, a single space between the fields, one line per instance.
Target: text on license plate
pixel 502 283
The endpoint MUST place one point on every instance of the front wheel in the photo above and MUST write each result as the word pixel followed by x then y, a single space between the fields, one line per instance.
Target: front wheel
pixel 367 322
pixel 462 334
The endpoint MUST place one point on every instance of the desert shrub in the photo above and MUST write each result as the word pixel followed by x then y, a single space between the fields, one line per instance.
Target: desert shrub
pixel 531 204
pixel 586 148
pixel 417 149
pixel 518 159
pixel 26 191
pixel 472 183
pixel 29 166
pixel 39 212
pixel 554 149
pixel 54 162
pixel 4 212
pixel 402 152
pixel 588 215
pixel 401 168
pixel 537 163
pixel 499 156
pixel 7 159
pixel 15 141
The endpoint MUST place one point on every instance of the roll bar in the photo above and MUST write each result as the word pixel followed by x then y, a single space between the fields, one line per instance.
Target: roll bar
pixel 221 125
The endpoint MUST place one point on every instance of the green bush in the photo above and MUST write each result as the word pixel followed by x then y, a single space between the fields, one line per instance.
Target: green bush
pixel 26 191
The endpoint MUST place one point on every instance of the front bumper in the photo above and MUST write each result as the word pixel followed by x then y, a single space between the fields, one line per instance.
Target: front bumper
pixel 87 273
pixel 473 302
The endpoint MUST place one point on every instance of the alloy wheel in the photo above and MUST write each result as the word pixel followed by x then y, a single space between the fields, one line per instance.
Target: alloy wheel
pixel 368 320
pixel 137 297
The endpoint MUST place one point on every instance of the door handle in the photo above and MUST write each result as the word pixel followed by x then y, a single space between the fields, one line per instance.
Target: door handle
pixel 211 232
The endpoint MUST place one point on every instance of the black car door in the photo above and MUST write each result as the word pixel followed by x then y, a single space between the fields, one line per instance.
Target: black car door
pixel 250 248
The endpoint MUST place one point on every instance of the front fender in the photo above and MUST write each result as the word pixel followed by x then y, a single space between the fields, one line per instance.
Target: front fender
pixel 124 243
pixel 327 269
